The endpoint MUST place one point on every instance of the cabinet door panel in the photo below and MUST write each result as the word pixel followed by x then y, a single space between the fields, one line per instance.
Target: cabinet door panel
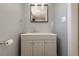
pixel 50 48
pixel 38 48
pixel 26 48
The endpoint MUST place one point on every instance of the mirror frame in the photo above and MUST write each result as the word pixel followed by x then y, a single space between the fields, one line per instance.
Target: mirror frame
pixel 38 21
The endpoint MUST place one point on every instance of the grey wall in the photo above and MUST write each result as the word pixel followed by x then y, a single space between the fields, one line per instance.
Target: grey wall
pixel 10 27
pixel 40 27
pixel 15 19
pixel 61 28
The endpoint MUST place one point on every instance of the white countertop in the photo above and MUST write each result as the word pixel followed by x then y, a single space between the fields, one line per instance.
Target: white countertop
pixel 38 34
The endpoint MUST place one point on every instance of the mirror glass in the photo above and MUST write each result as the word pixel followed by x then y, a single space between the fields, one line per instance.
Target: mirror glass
pixel 39 13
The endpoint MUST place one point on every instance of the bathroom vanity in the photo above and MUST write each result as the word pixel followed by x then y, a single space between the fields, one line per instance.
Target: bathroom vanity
pixel 38 44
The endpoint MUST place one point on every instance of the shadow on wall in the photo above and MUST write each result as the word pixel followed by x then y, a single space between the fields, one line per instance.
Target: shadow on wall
pixel 59 47
pixel 19 46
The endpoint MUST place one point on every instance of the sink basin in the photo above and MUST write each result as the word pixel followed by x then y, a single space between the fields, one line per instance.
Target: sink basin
pixel 38 34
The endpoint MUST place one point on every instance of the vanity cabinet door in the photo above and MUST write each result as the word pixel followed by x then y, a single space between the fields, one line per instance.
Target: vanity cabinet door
pixel 26 48
pixel 50 48
pixel 38 48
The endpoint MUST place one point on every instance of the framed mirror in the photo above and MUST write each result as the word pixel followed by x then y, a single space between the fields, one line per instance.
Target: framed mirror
pixel 38 13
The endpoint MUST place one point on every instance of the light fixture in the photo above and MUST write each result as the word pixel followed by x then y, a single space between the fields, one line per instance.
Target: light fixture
pixel 35 5
pixel 42 5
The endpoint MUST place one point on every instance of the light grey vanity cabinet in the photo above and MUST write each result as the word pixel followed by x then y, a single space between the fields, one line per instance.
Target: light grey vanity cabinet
pixel 50 48
pixel 38 48
pixel 32 48
pixel 26 48
pixel 37 45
